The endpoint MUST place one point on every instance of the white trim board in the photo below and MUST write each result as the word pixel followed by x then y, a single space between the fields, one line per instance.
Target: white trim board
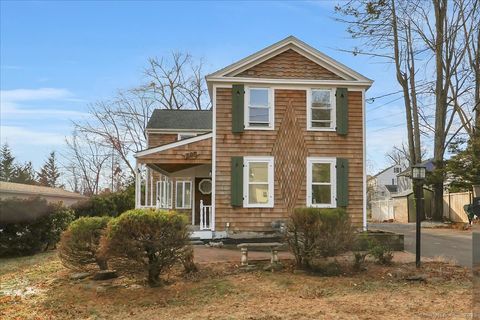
pixel 173 145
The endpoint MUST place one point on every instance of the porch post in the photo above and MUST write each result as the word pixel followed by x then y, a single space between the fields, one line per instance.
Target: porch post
pixel 147 172
pixel 201 215
pixel 151 188
pixel 137 185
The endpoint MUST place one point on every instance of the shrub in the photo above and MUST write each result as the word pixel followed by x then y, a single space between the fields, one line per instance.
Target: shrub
pixel 146 239
pixel 106 204
pixel 382 253
pixel 79 244
pixel 313 233
pixel 28 226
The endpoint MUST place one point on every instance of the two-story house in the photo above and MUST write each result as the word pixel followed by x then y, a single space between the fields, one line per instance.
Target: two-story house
pixel 385 183
pixel 286 129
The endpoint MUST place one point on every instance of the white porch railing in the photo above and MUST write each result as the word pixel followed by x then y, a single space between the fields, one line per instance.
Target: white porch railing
pixel 205 216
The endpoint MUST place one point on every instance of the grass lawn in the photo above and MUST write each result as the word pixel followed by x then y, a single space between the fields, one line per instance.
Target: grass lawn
pixel 38 287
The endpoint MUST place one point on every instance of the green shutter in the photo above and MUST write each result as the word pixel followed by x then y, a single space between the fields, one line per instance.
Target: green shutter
pixel 238 94
pixel 342 110
pixel 237 182
pixel 342 182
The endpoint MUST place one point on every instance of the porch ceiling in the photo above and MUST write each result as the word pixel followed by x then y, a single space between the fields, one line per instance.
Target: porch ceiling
pixel 171 167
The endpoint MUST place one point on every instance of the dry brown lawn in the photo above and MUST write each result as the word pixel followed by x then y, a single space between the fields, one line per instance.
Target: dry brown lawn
pixel 38 287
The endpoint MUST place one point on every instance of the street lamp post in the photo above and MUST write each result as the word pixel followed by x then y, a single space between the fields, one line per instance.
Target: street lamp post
pixel 418 177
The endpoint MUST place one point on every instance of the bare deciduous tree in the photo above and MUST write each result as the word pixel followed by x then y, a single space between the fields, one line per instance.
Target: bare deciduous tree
pixel 119 124
pixel 87 163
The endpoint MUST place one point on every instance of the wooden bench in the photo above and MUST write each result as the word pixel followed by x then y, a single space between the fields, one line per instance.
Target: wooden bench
pixel 273 246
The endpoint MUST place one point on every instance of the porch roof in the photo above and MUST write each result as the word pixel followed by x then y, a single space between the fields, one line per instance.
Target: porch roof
pixel 178 155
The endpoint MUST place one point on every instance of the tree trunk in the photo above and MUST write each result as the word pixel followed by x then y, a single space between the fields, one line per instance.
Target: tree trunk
pixel 440 7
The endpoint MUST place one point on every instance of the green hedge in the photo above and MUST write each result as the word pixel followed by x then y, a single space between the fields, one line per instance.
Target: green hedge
pixel 28 226
pixel 107 204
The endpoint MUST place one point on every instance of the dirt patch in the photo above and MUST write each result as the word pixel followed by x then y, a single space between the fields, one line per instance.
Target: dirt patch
pixel 223 291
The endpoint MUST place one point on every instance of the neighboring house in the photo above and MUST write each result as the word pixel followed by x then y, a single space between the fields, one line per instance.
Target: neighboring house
pixel 404 177
pixel 384 184
pixel 52 195
pixel 286 129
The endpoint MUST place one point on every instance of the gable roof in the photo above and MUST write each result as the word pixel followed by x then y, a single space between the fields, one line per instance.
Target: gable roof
pixel 290 43
pixel 384 170
pixel 194 120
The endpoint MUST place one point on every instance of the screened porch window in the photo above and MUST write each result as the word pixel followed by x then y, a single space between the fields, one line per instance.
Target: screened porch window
pixel 183 199
pixel 164 193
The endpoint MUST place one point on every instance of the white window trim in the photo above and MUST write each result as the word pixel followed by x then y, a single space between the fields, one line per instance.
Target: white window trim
pixel 333 175
pixel 271 106
pixel 185 205
pixel 334 109
pixel 192 134
pixel 161 185
pixel 270 203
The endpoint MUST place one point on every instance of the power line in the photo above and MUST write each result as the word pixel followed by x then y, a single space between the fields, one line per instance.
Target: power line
pixel 381 129
pixel 383 105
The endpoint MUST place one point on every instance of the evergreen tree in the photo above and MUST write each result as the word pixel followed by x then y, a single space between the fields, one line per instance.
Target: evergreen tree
pixel 24 174
pixel 7 166
pixel 49 174
pixel 463 169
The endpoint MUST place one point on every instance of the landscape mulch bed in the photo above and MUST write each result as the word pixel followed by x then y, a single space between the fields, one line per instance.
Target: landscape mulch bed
pixel 39 287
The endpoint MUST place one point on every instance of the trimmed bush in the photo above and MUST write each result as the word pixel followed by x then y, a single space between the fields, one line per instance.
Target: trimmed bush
pixel 147 240
pixel 314 233
pixel 79 244
pixel 28 226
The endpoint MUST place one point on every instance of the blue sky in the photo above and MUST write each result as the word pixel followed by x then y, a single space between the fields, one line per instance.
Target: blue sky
pixel 57 57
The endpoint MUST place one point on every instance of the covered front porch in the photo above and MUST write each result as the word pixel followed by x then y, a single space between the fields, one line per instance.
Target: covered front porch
pixel 178 176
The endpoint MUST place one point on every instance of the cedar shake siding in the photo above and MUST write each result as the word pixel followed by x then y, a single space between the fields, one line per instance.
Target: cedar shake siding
pixel 290 144
pixel 159 139
pixel 289 65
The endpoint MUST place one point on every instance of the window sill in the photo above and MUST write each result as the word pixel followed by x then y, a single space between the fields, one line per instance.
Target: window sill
pixel 257 205
pixel 322 129
pixel 260 128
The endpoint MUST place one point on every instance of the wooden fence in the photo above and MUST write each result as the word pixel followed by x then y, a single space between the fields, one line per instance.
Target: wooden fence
pixel 453 206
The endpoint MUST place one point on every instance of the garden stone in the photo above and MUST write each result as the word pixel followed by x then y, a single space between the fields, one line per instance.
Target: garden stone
pixel 273 267
pixel 105 275
pixel 79 275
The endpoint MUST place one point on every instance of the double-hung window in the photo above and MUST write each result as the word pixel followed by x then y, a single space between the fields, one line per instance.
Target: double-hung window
pixel 259 110
pixel 164 193
pixel 258 182
pixel 183 199
pixel 321 182
pixel 321 109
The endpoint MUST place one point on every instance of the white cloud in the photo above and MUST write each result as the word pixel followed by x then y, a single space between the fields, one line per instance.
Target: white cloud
pixel 20 136
pixel 33 94
pixel 12 104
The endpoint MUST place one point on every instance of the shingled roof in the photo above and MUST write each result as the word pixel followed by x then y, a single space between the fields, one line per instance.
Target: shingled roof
pixel 181 119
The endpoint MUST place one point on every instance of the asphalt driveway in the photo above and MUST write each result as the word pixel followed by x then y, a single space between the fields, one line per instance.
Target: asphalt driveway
pixel 449 243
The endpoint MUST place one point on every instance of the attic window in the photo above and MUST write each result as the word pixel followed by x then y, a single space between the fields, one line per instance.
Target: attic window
pixel 259 110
